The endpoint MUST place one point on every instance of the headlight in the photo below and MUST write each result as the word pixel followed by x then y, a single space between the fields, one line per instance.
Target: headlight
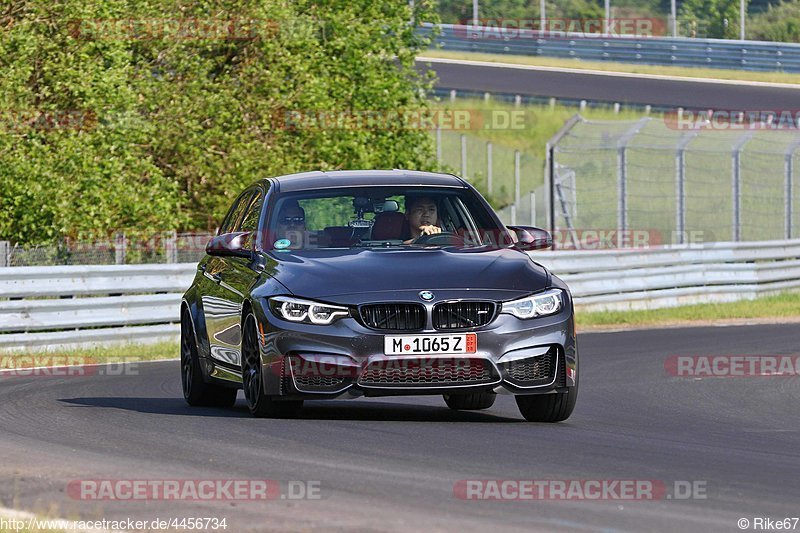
pixel 306 311
pixel 545 303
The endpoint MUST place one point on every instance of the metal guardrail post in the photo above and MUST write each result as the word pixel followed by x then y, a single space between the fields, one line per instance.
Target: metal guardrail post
pixel 463 156
pixel 789 186
pixel 549 171
pixel 120 248
pixel 5 247
pixel 680 186
pixel 489 168
pixel 439 145
pixel 622 174
pixel 171 246
pixel 737 185
pixel 516 177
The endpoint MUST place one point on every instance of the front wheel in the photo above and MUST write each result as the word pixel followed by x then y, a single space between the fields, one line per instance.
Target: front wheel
pixel 470 402
pixel 258 402
pixel 196 391
pixel 548 407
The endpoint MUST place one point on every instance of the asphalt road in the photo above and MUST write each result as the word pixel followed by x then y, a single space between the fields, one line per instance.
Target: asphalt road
pixel 611 88
pixel 391 464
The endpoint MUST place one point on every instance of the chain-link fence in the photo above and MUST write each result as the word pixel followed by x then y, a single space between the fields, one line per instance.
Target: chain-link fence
pixel 120 249
pixel 723 184
pixel 509 179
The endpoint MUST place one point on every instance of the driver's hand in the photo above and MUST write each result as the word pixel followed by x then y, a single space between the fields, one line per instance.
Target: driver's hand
pixel 429 230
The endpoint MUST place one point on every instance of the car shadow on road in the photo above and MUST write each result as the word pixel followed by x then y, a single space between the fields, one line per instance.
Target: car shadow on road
pixel 313 410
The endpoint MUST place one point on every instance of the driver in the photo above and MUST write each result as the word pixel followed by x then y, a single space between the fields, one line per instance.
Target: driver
pixel 422 215
pixel 291 224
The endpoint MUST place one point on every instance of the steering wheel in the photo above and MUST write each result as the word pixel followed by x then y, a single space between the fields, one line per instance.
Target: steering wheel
pixel 439 239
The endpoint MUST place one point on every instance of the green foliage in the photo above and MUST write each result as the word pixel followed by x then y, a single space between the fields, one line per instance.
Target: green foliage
pixel 778 23
pixel 716 19
pixel 158 130
pixel 456 11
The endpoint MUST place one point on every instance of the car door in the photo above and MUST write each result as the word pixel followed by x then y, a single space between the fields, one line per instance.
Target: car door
pixel 228 282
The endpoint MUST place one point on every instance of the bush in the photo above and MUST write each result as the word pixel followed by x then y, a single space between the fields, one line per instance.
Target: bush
pixel 112 118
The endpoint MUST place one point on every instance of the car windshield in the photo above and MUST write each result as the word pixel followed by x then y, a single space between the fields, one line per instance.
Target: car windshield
pixel 382 217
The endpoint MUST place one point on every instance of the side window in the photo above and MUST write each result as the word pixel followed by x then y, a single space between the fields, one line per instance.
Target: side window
pixel 234 216
pixel 253 213
pixel 234 213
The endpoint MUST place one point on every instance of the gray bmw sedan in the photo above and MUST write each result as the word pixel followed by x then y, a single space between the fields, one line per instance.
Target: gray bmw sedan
pixel 344 284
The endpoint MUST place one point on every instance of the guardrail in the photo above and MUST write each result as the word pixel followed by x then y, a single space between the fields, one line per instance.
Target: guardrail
pixel 71 306
pixel 672 276
pixel 674 51
pixel 68 306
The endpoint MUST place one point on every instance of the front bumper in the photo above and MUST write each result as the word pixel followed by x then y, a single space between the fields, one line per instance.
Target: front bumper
pixel 346 359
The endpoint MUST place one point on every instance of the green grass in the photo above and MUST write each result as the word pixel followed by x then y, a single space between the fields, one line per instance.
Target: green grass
pixel 689 72
pixel 782 306
pixel 99 354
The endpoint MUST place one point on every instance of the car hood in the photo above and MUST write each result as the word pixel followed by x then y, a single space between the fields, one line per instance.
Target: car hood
pixel 325 273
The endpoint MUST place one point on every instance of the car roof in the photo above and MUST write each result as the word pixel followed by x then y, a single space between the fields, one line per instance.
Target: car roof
pixel 354 178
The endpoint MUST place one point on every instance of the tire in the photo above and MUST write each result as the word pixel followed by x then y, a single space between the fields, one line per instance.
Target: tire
pixel 260 404
pixel 470 402
pixel 548 407
pixel 196 391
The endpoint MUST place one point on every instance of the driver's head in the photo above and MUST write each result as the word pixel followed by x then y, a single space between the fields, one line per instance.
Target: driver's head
pixel 420 211
pixel 291 221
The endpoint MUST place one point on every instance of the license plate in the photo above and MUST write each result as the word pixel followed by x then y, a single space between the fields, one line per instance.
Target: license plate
pixel 430 344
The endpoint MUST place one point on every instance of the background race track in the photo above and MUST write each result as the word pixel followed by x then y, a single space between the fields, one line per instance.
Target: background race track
pixel 611 87
pixel 389 464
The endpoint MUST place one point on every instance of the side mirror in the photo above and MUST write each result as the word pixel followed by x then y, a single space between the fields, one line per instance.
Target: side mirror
pixel 530 238
pixel 236 244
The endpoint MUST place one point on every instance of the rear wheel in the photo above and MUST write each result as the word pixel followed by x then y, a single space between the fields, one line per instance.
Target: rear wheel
pixel 470 402
pixel 195 390
pixel 260 404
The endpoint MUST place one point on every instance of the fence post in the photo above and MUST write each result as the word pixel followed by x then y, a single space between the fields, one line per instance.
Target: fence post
pixel 171 247
pixel 513 214
pixel 5 247
pixel 622 175
pixel 549 171
pixel 516 177
pixel 680 186
pixel 789 186
pixel 533 209
pixel 489 167
pixel 463 156
pixel 439 145
pixel 737 186
pixel 120 248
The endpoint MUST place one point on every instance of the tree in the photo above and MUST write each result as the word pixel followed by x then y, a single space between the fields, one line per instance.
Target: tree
pixel 716 19
pixel 153 115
